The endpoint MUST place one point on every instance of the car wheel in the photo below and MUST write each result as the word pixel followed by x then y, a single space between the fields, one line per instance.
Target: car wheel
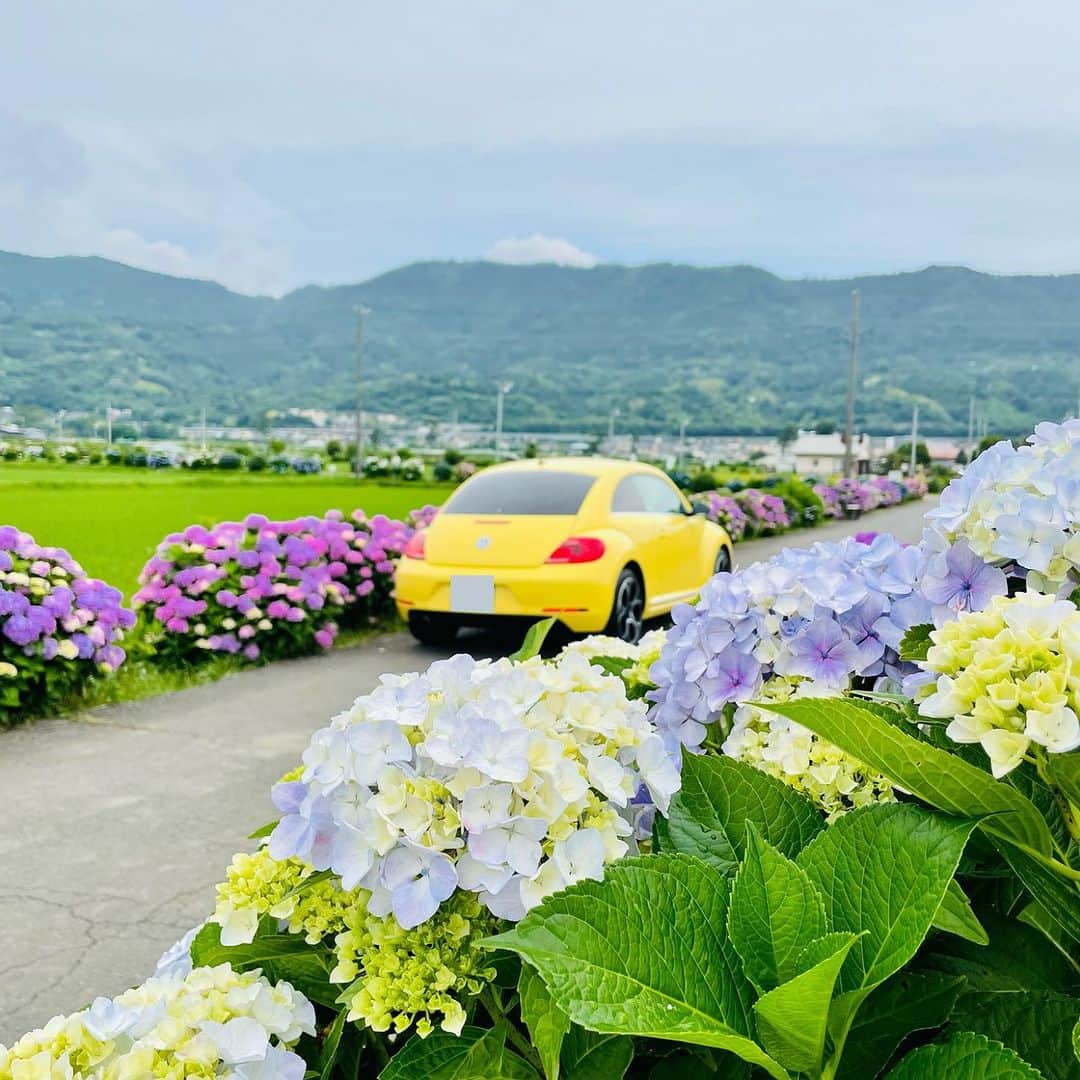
pixel 723 561
pixel 431 629
pixel 628 608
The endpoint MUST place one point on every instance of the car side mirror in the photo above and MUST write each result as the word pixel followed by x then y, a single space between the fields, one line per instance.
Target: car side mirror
pixel 697 510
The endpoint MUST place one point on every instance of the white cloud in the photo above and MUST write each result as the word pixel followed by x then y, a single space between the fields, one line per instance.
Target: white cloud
pixel 538 248
pixel 109 192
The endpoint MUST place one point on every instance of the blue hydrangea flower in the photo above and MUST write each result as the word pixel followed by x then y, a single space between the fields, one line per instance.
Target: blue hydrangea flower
pixel 831 613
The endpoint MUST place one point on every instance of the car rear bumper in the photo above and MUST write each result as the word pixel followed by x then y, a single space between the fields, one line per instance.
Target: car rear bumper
pixel 577 596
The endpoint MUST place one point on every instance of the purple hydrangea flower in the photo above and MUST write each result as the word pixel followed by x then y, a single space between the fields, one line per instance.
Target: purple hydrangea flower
pixel 958 580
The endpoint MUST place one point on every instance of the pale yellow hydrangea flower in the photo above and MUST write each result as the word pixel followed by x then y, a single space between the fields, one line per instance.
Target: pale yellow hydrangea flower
pixel 1008 678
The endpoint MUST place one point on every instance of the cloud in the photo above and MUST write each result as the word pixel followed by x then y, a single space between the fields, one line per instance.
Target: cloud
pixel 538 248
pixel 111 192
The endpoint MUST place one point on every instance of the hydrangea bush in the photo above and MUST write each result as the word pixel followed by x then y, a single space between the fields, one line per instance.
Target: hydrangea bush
pixel 266 589
pixel 766 514
pixel 842 877
pixel 868 493
pixel 726 512
pixel 58 627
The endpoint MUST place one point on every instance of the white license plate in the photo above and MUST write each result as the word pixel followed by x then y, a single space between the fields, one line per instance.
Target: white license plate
pixel 472 593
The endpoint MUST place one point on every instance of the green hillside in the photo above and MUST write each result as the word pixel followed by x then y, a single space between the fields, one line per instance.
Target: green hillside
pixel 736 348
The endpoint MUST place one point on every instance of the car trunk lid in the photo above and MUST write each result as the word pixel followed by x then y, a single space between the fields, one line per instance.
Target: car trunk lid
pixel 493 541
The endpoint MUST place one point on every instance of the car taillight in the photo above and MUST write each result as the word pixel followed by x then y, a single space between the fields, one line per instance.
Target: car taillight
pixel 578 549
pixel 414 549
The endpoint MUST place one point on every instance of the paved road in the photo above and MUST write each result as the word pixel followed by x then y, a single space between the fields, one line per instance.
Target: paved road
pixel 115 826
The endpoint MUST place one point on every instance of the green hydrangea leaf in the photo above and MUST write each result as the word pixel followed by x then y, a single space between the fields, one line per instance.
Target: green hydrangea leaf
pixel 645 952
pixel 547 1023
pixel 938 777
pixel 956 917
pixel 1037 1024
pixel 587 1055
pixel 280 957
pixel 966 1056
pixel 613 665
pixel 775 913
pixel 719 796
pixel 534 640
pixel 906 1003
pixel 475 1054
pixel 883 871
pixel 1063 771
pixel 1076 1041
pixel 916 642
pixel 1059 898
pixel 331 1045
pixel 1036 915
pixel 792 1020
pixel 994 966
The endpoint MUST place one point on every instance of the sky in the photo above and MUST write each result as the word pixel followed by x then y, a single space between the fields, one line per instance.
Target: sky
pixel 271 145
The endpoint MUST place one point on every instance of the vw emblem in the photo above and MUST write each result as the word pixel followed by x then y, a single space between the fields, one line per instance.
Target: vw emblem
pixel 483 542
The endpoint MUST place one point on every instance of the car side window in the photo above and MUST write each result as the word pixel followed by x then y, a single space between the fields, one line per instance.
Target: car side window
pixel 643 494
pixel 659 496
pixel 627 498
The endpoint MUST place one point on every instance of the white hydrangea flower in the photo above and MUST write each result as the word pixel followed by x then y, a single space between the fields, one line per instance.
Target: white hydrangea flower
pixel 1018 509
pixel 507 779
pixel 163 1026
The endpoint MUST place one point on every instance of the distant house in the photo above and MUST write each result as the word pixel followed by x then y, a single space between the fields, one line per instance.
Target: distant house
pixel 823 455
pixel 944 453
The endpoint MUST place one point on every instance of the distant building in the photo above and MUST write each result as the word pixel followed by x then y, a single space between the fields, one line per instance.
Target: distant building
pixel 823 455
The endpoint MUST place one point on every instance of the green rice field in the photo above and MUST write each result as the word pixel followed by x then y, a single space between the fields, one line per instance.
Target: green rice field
pixel 111 518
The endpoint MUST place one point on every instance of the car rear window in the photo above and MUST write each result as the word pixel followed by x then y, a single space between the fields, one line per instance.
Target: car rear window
pixel 554 493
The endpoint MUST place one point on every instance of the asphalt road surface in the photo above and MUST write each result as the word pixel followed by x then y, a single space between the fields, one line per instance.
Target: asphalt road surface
pixel 116 825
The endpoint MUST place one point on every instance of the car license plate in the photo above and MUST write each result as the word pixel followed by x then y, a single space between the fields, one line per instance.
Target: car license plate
pixel 472 593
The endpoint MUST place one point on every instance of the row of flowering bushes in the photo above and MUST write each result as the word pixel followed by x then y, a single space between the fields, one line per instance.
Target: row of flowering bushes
pixel 268 589
pixel 751 512
pixel 826 826
pixel 848 497
pixel 257 589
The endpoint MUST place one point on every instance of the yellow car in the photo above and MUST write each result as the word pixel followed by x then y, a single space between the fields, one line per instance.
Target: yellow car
pixel 601 545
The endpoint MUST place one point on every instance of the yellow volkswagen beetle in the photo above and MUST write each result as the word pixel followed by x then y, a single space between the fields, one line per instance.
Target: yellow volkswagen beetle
pixel 601 545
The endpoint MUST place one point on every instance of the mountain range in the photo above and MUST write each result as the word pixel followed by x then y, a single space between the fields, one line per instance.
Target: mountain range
pixel 734 349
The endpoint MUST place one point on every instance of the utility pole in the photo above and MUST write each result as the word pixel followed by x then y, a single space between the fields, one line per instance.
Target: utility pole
pixel 108 423
pixel 611 426
pixel 682 440
pixel 971 427
pixel 914 437
pixel 60 425
pixel 203 429
pixel 358 460
pixel 503 389
pixel 849 427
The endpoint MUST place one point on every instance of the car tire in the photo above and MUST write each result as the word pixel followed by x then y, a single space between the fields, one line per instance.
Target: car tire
pixel 627 607
pixel 432 629
pixel 723 561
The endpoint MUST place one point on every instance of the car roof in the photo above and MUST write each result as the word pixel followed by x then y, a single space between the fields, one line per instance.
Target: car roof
pixel 589 466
